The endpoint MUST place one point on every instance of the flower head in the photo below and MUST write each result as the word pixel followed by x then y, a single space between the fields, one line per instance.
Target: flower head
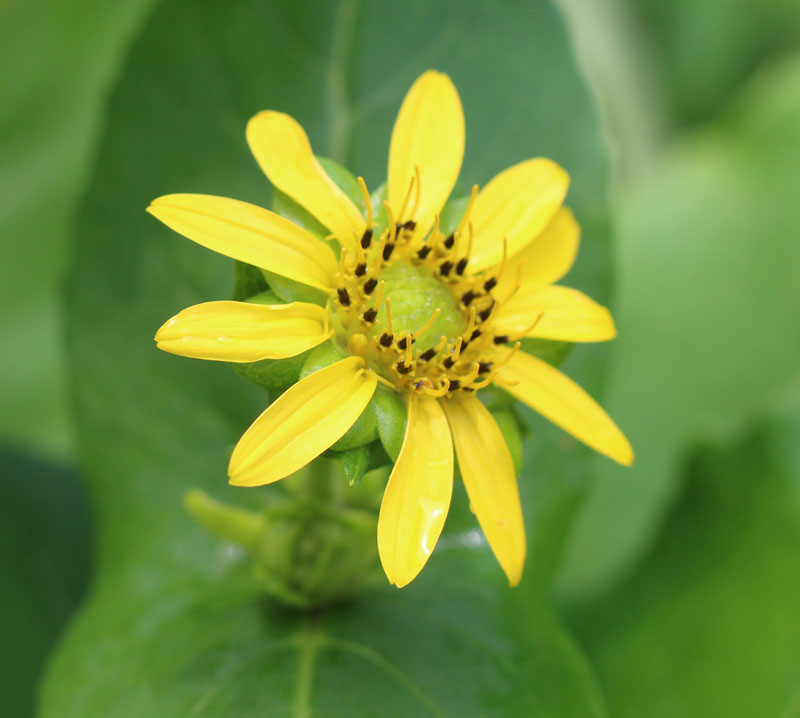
pixel 434 313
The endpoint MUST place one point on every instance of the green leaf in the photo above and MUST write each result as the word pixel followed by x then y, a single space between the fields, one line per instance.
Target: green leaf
pixel 44 568
pixel 57 60
pixel 707 625
pixel 176 623
pixel 707 313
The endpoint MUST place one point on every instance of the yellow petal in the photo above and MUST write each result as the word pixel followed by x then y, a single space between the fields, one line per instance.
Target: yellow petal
pixel 490 480
pixel 428 135
pixel 241 332
pixel 516 205
pixel 548 257
pixel 302 423
pixel 417 496
pixel 250 234
pixel 562 401
pixel 566 314
pixel 282 149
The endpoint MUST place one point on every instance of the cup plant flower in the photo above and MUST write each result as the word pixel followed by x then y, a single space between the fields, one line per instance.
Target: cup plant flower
pixel 410 296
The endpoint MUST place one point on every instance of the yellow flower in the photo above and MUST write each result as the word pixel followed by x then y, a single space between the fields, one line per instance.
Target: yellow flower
pixel 491 281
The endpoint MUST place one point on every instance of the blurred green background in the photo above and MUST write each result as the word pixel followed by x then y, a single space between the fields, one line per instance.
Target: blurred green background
pixel 671 589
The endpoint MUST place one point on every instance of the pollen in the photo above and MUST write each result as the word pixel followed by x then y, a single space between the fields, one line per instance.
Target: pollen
pixel 405 304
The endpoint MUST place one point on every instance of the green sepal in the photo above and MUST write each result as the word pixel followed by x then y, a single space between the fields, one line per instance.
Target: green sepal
pixel 320 357
pixel 248 281
pixel 391 414
pixel 274 375
pixel 452 213
pixel 290 291
pixel 360 460
pixel 552 351
pixel 510 429
pixel 287 208
pixel 344 179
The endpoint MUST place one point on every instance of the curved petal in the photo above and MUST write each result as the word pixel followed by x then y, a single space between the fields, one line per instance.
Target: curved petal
pixel 417 496
pixel 301 423
pixel 548 257
pixel 516 205
pixel 489 477
pixel 283 152
pixel 428 135
pixel 562 401
pixel 250 234
pixel 241 332
pixel 566 314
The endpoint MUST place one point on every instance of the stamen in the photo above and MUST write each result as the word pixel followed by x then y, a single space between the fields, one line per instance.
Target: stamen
pixel 369 285
pixel 366 238
pixel 471 322
pixel 361 269
pixel 418 193
pixel 484 314
pixel 379 296
pixel 383 380
pixel 467 211
pixel 507 358
pixel 441 391
pixel 389 315
pixel 450 241
pixel 445 267
pixel 342 257
pixel 344 297
pixel 530 328
pixel 427 325
pixel 473 373
pixel 405 201
pixel 392 223
pixel 367 201
pixel 434 350
pixel 467 297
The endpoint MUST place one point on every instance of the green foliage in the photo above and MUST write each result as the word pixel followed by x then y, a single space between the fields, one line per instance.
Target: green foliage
pixel 176 622
pixel 707 625
pixel 707 311
pixel 44 568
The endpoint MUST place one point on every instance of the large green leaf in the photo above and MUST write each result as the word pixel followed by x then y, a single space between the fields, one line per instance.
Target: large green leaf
pixel 57 60
pixel 44 567
pixel 707 310
pixel 176 624
pixel 708 625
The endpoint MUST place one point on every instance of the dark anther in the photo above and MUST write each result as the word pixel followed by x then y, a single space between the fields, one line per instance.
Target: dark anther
pixel 454 385
pixel 386 339
pixel 344 297
pixel 448 362
pixel 370 315
pixel 402 367
pixel 419 384
pixel 444 268
pixel 366 239
pixel 361 269
pixel 410 225
pixel 484 366
pixel 424 252
pixel 369 286
pixel 387 251
pixel 462 265
pixel 450 241
pixel 467 297
pixel 484 314
pixel 501 339
pixel 490 284
pixel 402 343
pixel 428 355
pixel 475 335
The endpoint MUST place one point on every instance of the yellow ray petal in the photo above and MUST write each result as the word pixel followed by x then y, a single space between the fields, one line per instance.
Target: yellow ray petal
pixel 490 480
pixel 250 234
pixel 282 150
pixel 567 314
pixel 301 423
pixel 562 401
pixel 428 135
pixel 516 205
pixel 417 496
pixel 241 332
pixel 548 257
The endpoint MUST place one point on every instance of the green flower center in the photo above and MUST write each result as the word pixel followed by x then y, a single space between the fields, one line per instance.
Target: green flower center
pixel 407 303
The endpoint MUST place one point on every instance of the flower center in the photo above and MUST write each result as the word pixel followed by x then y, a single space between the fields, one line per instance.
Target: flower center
pixel 406 304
